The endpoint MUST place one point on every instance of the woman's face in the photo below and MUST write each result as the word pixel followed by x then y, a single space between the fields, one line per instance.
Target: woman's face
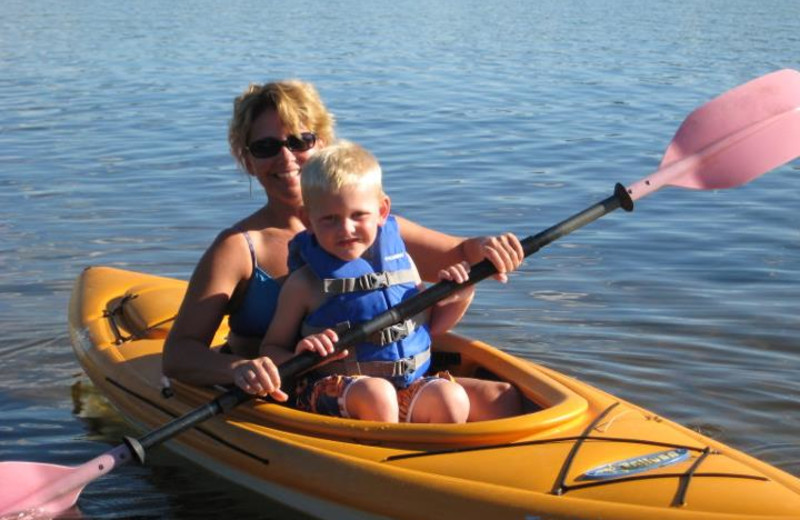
pixel 279 174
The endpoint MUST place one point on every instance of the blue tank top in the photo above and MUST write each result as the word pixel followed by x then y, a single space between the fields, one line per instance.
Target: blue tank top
pixel 253 316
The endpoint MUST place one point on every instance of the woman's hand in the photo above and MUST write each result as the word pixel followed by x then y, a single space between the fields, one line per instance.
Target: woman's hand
pixel 259 377
pixel 503 251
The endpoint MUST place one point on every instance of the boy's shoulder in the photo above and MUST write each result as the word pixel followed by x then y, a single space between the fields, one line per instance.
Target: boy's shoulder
pixel 301 277
pixel 305 288
pixel 303 283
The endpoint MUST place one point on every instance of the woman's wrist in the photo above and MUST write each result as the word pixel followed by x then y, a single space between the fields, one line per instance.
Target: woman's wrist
pixel 472 249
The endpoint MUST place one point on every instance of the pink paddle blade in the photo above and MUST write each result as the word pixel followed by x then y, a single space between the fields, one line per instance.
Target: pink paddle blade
pixel 19 479
pixel 48 488
pixel 734 138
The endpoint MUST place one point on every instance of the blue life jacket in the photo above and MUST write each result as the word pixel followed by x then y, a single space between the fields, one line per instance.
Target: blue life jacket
pixel 361 289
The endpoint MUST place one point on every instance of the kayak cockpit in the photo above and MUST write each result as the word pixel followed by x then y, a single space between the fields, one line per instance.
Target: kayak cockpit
pixel 139 319
pixel 552 406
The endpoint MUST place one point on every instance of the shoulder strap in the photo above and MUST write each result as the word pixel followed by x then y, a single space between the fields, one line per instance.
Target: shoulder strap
pixel 249 245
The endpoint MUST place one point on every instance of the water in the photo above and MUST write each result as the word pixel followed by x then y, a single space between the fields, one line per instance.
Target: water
pixel 487 116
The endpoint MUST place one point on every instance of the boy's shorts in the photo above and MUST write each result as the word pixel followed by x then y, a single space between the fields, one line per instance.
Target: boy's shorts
pixel 327 395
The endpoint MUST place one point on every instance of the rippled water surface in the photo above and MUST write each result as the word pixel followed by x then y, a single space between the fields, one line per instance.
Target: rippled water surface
pixel 487 116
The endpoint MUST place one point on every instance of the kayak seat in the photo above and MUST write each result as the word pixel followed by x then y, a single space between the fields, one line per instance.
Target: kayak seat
pixel 144 312
pixel 451 361
pixel 440 361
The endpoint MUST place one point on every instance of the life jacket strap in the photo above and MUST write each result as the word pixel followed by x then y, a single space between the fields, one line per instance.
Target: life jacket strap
pixel 394 333
pixel 383 337
pixel 388 369
pixel 368 282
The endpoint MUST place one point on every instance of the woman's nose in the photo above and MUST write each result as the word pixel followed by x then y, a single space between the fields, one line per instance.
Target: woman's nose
pixel 286 154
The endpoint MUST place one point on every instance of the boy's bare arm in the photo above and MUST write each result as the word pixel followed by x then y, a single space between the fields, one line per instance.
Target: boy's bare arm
pixel 294 302
pixel 448 312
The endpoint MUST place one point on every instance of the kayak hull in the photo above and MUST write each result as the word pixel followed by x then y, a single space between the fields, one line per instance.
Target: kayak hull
pixel 580 452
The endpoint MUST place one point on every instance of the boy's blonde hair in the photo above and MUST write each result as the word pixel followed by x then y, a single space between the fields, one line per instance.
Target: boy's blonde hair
pixel 297 103
pixel 342 164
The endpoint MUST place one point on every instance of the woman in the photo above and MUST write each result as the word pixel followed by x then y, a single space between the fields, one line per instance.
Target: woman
pixel 275 129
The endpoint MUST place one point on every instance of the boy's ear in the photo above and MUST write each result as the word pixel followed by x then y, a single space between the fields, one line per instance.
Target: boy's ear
pixel 385 207
pixel 304 218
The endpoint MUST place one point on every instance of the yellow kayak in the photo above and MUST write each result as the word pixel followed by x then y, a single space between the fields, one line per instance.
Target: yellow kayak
pixel 581 454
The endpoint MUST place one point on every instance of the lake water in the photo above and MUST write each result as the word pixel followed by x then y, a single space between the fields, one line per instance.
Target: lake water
pixel 487 117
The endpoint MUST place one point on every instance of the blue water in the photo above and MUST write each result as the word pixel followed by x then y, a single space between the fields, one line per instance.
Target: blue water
pixel 487 116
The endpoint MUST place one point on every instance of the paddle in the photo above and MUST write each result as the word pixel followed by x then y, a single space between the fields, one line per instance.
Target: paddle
pixel 725 143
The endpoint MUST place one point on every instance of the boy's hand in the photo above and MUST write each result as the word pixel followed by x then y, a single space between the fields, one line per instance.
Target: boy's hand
pixel 458 273
pixel 322 343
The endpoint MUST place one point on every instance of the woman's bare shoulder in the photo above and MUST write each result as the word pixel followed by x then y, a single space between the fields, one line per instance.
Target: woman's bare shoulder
pixel 223 265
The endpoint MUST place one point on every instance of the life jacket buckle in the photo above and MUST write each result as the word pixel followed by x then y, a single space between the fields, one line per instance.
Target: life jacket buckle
pixel 376 281
pixel 394 332
pixel 404 367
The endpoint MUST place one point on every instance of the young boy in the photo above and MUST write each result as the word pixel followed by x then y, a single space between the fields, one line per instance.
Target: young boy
pixel 349 266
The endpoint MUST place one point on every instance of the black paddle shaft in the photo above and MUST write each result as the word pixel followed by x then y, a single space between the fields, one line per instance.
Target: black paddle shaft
pixel 398 313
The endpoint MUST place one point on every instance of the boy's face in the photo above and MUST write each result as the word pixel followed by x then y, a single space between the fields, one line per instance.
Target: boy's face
pixel 346 223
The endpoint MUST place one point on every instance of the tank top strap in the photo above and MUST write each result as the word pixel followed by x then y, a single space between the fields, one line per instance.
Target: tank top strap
pixel 249 245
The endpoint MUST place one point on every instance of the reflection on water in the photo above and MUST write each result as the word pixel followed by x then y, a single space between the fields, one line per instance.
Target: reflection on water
pixel 101 421
pixel 486 117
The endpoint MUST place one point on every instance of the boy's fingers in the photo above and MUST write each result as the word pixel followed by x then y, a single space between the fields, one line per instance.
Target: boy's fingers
pixel 330 339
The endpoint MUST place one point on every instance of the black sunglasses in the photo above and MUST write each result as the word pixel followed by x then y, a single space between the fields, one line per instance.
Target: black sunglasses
pixel 270 146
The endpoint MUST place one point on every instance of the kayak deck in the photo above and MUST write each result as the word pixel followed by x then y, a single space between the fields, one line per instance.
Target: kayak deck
pixel 581 453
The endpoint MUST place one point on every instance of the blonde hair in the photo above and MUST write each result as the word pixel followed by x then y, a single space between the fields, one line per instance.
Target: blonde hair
pixel 297 103
pixel 342 164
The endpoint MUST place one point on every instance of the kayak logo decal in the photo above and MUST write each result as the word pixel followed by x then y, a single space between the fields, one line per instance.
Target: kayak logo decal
pixel 634 465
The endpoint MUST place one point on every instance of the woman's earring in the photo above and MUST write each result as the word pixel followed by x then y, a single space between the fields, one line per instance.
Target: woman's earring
pixel 250 178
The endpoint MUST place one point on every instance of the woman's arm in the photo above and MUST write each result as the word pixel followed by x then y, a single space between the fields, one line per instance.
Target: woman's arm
pixel 187 355
pixel 260 376
pixel 434 251
pixel 431 250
